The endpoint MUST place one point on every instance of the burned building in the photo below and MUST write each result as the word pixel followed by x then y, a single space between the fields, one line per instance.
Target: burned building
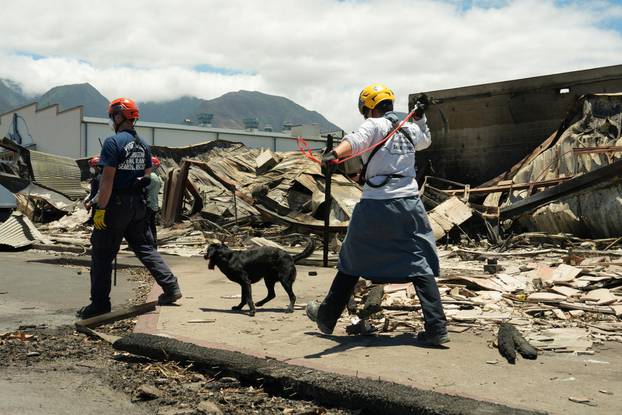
pixel 480 131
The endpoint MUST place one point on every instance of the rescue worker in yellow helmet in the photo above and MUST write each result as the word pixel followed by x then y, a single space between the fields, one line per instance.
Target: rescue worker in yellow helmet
pixel 389 239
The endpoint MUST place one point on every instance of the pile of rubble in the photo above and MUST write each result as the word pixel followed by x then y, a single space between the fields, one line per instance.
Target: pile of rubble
pixel 565 295
pixel 228 183
pixel 564 300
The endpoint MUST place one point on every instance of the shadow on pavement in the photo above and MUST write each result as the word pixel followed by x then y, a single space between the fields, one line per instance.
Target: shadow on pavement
pixel 349 342
pixel 230 311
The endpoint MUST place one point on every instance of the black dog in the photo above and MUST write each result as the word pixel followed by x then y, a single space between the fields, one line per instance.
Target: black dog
pixel 248 267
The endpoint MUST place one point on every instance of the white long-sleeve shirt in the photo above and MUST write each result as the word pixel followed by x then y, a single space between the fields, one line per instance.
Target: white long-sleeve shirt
pixel 396 156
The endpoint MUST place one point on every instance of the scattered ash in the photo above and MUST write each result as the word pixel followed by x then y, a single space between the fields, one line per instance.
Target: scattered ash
pixel 164 388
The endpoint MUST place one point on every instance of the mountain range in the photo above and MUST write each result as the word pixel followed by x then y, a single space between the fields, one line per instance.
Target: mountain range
pixel 269 112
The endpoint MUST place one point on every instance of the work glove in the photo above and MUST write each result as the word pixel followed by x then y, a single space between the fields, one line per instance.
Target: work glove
pixel 421 104
pixel 98 219
pixel 329 158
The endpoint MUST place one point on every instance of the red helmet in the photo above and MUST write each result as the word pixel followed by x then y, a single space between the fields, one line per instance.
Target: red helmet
pixel 94 161
pixel 155 162
pixel 125 106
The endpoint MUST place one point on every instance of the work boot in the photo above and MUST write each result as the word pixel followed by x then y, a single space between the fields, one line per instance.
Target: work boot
pixel 169 296
pixel 313 309
pixel 93 310
pixel 425 338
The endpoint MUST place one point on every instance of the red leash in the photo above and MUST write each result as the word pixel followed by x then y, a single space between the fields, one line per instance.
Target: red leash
pixel 303 146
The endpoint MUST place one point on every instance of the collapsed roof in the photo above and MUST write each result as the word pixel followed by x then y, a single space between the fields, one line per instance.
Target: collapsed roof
pixel 223 181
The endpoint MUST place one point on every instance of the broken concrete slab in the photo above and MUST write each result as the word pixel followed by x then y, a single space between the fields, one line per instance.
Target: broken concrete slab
pixel 599 297
pixel 565 273
pixel 569 339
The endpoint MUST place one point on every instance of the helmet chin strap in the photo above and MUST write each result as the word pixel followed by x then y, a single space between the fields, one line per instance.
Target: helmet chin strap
pixel 117 126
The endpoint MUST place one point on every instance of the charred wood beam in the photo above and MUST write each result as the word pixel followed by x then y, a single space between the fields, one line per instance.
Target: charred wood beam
pixel 508 187
pixel 568 187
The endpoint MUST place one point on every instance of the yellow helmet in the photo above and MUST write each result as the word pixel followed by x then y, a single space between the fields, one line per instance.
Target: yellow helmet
pixel 372 95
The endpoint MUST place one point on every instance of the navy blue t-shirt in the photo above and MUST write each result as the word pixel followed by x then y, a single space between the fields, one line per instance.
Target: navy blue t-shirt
pixel 127 156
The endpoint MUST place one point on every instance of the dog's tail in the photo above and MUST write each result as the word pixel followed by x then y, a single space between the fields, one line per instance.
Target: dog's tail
pixel 307 251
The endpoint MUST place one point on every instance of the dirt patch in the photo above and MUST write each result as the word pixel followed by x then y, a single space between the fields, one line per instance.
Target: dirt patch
pixel 124 382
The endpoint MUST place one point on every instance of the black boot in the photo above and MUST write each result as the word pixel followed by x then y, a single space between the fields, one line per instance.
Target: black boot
pixel 169 296
pixel 92 310
pixel 327 313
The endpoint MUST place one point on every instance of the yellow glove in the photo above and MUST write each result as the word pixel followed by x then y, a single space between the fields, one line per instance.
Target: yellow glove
pixel 98 219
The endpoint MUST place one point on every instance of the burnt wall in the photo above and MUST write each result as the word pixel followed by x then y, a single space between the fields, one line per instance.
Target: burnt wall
pixel 481 131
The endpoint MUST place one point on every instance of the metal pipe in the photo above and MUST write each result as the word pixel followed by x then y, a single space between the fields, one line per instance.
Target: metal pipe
pixel 328 201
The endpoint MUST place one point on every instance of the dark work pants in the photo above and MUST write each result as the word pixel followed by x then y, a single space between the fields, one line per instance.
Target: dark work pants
pixel 126 217
pixel 151 217
pixel 427 291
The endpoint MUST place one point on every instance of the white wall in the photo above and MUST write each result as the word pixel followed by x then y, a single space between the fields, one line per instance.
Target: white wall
pixel 52 131
pixel 158 134
pixel 249 140
pixel 179 138
pixel 67 134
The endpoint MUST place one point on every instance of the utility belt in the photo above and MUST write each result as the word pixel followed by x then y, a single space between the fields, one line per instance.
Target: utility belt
pixel 387 179
pixel 128 191
pixel 136 189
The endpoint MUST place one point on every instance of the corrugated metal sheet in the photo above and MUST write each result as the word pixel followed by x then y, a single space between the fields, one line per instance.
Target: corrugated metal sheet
pixel 55 199
pixel 594 213
pixel 18 231
pixel 60 174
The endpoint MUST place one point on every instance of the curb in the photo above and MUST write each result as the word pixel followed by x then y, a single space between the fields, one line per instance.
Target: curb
pixel 331 389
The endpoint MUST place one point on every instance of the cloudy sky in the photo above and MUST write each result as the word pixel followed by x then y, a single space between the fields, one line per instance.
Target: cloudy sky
pixel 319 53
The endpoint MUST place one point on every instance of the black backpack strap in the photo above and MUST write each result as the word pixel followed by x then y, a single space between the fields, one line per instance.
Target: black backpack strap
pixel 387 178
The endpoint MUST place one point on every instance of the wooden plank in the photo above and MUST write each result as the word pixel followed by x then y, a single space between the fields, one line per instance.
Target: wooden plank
pixel 592 309
pixel 448 214
pixel 545 297
pixel 493 199
pixel 506 185
pixel 109 338
pixel 117 315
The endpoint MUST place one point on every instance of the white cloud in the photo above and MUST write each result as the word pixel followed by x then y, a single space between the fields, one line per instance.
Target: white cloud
pixel 318 53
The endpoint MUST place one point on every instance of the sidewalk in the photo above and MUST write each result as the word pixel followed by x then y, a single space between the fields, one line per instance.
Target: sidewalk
pixel 544 384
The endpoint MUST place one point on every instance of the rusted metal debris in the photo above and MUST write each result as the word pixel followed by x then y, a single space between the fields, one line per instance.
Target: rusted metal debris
pixel 224 182
pixel 568 184
pixel 19 232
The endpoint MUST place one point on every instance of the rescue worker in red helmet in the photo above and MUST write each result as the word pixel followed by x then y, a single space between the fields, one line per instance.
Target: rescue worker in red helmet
pixel 95 171
pixel 152 193
pixel 389 239
pixel 121 211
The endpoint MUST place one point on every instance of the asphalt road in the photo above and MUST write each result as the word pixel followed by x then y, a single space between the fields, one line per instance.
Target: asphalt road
pixel 34 291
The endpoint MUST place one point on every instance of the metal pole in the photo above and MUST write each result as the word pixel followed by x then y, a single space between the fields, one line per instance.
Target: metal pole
pixel 235 206
pixel 328 200
pixel 115 270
